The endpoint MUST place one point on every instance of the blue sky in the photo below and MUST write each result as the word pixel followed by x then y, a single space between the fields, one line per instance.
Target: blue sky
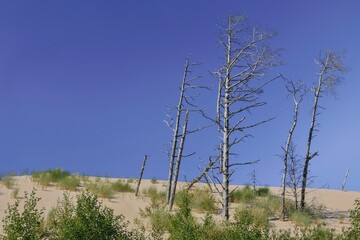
pixel 84 85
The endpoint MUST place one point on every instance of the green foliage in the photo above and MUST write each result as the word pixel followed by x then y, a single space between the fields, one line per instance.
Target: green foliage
pixel 154 180
pixel 69 183
pixel 120 186
pixel 203 201
pixel 354 230
pixel 26 225
pixel 252 216
pixel 88 219
pixel 301 218
pixel 101 189
pixel 245 194
pixel 51 176
pixel 263 192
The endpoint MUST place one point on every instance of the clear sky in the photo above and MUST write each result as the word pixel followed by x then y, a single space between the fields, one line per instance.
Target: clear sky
pixel 84 85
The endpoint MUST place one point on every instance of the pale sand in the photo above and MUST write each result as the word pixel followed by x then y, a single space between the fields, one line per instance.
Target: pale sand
pixel 336 203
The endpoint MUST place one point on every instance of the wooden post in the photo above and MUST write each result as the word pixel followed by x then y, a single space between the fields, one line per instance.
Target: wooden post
pixel 141 173
pixel 346 176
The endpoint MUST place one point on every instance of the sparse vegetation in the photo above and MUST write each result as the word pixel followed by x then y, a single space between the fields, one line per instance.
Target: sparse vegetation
pixel 202 200
pixel 101 189
pixel 8 181
pixel 69 183
pixel 154 180
pixel 120 186
pixel 14 193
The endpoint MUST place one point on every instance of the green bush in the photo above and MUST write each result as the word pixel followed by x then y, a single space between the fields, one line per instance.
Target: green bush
pixel 202 200
pixel 88 219
pixel 301 218
pixel 243 195
pixel 101 189
pixel 263 192
pixel 25 225
pixel 120 186
pixel 354 230
pixel 69 183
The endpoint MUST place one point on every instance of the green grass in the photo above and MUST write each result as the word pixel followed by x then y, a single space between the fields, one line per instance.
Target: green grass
pixel 301 218
pixel 245 194
pixel 101 189
pixel 69 183
pixel 14 193
pixel 120 186
pixel 51 176
pixel 203 201
pixel 8 181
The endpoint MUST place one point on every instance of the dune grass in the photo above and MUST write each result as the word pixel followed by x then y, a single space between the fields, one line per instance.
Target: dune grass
pixel 8 182
pixel 120 186
pixel 70 183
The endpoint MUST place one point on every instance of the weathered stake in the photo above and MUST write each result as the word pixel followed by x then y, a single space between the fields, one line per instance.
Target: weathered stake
pixel 141 174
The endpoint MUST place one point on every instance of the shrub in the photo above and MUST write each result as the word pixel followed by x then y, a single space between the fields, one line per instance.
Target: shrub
pixel 154 180
pixel 100 189
pixel 203 201
pixel 243 195
pixel 252 216
pixel 88 219
pixel 263 192
pixel 354 230
pixel 301 218
pixel 25 225
pixel 69 183
pixel 120 186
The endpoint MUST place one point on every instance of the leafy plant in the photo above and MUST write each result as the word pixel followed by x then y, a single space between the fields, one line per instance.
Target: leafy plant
pixel 88 219
pixel 27 224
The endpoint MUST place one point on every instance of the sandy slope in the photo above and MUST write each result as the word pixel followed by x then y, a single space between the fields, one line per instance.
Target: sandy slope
pixel 337 203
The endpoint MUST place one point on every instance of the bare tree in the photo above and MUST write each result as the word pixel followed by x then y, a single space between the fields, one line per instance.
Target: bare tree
pixel 346 176
pixel 247 59
pixel 141 174
pixel 330 70
pixel 297 92
pixel 294 173
pixel 186 104
pixel 203 172
pixel 175 129
pixel 178 161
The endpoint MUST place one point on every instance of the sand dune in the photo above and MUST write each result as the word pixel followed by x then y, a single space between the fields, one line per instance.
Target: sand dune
pixel 336 203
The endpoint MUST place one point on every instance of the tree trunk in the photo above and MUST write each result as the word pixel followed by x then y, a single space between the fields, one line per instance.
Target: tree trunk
pixel 286 154
pixel 178 161
pixel 310 137
pixel 141 174
pixel 346 176
pixel 202 174
pixel 176 132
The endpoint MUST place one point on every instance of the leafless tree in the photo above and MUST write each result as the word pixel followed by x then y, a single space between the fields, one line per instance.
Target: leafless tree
pixel 208 167
pixel 185 105
pixel 297 92
pixel 344 183
pixel 294 173
pixel 330 72
pixel 178 161
pixel 141 174
pixel 241 82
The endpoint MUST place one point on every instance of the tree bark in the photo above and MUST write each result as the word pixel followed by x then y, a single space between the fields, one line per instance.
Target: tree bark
pixel 178 161
pixel 176 132
pixel 141 174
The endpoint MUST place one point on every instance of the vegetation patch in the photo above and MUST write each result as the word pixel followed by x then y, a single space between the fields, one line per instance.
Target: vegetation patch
pixel 120 186
pixel 69 183
pixel 8 182
pixel 101 189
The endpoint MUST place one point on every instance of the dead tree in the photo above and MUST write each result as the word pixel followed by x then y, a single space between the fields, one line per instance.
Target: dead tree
pixel 346 176
pixel 203 173
pixel 178 161
pixel 185 106
pixel 297 92
pixel 241 82
pixel 141 174
pixel 330 70
pixel 176 130
pixel 294 174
